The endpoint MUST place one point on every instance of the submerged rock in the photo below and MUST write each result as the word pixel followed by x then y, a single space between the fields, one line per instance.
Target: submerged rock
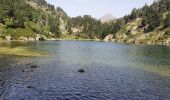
pixel 34 66
pixel 81 70
pixel 26 70
pixel 30 87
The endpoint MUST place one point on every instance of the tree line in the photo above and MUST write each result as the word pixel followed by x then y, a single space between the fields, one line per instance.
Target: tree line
pixel 20 14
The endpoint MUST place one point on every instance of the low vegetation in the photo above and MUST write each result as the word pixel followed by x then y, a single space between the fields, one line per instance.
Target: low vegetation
pixel 21 51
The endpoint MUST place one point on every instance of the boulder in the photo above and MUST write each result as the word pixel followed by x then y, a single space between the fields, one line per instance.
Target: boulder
pixel 108 38
pixel 31 39
pixel 26 70
pixel 81 70
pixel 37 37
pixel 23 38
pixel 34 66
pixel 8 38
pixel 97 39
pixel 30 87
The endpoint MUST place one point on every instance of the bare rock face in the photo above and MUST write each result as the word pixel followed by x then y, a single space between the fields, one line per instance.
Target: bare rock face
pixel 108 38
pixel 23 38
pixel 107 18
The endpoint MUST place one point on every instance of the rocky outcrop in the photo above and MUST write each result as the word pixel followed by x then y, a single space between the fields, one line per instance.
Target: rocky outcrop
pixel 40 37
pixel 108 38
pixel 26 39
pixel 31 39
pixel 8 37
pixel 96 39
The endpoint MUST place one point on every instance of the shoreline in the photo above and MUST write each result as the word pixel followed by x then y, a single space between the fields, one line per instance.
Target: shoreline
pixel 59 39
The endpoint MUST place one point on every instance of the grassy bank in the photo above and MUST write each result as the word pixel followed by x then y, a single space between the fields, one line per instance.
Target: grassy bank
pixel 22 51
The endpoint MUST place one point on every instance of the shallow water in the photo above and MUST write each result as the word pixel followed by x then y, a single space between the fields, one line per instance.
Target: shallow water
pixel 112 72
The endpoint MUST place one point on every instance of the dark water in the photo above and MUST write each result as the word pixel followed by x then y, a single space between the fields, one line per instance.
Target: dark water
pixel 112 72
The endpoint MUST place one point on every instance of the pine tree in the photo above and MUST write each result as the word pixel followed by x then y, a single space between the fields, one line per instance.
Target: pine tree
pixel 167 21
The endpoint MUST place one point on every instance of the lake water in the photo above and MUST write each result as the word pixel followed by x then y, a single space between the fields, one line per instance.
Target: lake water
pixel 112 72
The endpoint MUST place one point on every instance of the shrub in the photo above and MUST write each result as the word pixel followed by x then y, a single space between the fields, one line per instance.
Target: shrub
pixel 18 32
pixel 41 38
pixel 167 32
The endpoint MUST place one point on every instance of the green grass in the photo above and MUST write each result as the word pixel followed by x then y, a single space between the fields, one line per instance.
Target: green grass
pixel 22 51
pixel 18 32
pixel 162 70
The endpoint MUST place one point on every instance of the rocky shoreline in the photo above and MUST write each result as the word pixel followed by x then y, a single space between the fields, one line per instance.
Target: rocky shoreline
pixel 108 38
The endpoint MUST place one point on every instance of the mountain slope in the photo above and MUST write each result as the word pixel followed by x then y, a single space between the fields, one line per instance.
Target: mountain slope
pixel 36 19
pixel 23 19
pixel 27 18
pixel 147 25
pixel 107 18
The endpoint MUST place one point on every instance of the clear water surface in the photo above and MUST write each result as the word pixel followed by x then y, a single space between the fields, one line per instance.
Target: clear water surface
pixel 112 72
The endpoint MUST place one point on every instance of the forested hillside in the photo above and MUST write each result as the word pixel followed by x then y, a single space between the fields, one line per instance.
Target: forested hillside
pixel 23 19
pixel 26 18
pixel 150 24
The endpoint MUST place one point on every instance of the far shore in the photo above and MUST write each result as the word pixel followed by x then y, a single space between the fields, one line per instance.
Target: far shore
pixel 60 39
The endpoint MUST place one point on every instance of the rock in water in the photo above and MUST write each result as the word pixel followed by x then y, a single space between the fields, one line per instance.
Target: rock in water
pixel 30 87
pixel 34 66
pixel 26 70
pixel 81 70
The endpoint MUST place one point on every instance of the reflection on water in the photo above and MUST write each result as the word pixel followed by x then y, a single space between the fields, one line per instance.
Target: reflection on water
pixel 113 71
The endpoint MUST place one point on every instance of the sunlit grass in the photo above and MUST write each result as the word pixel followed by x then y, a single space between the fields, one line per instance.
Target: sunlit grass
pixel 22 51
pixel 162 70
pixel 1 40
